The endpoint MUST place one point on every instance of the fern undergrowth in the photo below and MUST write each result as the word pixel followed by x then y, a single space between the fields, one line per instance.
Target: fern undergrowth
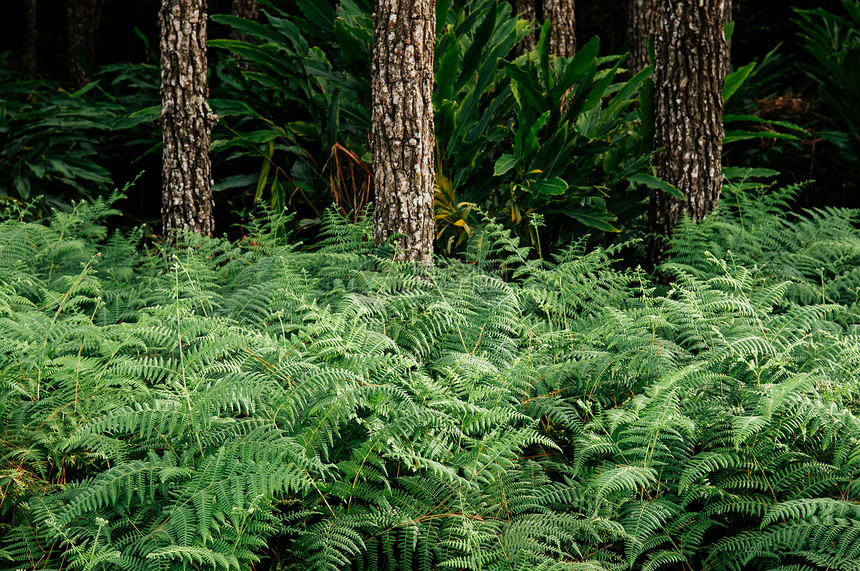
pixel 254 405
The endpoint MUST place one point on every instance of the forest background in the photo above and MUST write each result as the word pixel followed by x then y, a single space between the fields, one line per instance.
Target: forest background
pixel 125 62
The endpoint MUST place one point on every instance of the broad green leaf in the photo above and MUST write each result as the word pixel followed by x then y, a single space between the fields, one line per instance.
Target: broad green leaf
pixel 553 186
pixel 319 13
pixel 264 172
pixel 247 27
pixel 236 181
pixel 656 184
pixel 742 135
pixel 729 30
pixel 474 53
pixel 753 119
pixel 581 64
pixel 735 79
pixel 732 173
pixel 530 142
pixel 447 72
pixel 441 16
pixel 505 163
pixel 148 115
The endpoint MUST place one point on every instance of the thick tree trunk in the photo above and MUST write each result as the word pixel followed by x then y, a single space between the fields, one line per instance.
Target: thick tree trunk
pixel 82 24
pixel 30 47
pixel 525 9
pixel 403 136
pixel 641 25
pixel 688 83
pixel 247 9
pixel 562 35
pixel 186 119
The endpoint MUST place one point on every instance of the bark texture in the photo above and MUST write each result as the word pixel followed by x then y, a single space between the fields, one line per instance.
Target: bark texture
pixel 186 120
pixel 562 34
pixel 688 82
pixel 727 55
pixel 30 47
pixel 247 9
pixel 82 22
pixel 403 136
pixel 525 9
pixel 641 25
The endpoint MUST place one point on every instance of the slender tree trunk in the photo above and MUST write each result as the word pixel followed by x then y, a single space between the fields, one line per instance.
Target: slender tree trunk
pixel 82 23
pixel 186 119
pixel 562 35
pixel 30 47
pixel 525 9
pixel 403 136
pixel 727 58
pixel 641 25
pixel 688 82
pixel 247 9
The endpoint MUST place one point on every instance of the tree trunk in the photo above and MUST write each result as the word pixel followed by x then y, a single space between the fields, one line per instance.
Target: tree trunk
pixel 727 57
pixel 82 24
pixel 30 47
pixel 525 9
pixel 186 119
pixel 641 25
pixel 247 9
pixel 562 34
pixel 688 83
pixel 403 136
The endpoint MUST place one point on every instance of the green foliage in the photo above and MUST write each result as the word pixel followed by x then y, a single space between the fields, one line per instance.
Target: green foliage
pixel 49 140
pixel 303 116
pixel 234 403
pixel 833 40
pixel 817 253
pixel 515 136
pixel 537 134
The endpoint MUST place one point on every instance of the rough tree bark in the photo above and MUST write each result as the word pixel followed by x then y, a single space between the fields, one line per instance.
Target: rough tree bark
pixel 186 119
pixel 727 55
pixel 641 25
pixel 82 24
pixel 30 46
pixel 688 82
pixel 403 138
pixel 562 34
pixel 525 9
pixel 247 9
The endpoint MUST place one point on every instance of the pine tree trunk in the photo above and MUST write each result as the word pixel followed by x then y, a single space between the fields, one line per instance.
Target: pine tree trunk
pixel 688 82
pixel 641 25
pixel 403 136
pixel 525 9
pixel 247 9
pixel 562 35
pixel 30 47
pixel 82 24
pixel 186 119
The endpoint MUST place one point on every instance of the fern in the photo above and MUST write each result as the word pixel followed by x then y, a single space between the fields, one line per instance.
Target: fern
pixel 230 404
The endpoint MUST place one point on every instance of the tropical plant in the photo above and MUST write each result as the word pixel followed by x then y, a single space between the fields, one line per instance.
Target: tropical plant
pixel 49 140
pixel 303 117
pixel 538 133
pixel 833 40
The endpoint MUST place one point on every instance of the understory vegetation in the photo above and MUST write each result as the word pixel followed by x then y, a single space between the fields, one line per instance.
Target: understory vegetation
pixel 259 405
